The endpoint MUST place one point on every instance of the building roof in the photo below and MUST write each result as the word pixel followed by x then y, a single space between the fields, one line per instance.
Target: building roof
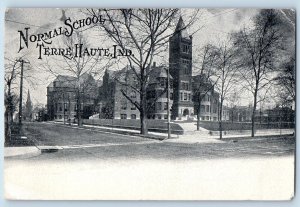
pixel 65 81
pixel 158 72
pixel 181 28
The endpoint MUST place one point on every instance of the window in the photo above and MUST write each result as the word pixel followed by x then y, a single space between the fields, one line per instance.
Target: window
pixel 159 116
pixel 166 106
pixel 133 116
pixel 66 106
pixel 185 61
pixel 207 108
pixel 207 118
pixel 181 98
pixel 214 109
pixel 165 116
pixel 171 96
pixel 185 96
pixel 189 97
pixel 202 108
pixel 60 117
pixel 185 48
pixel 185 86
pixel 158 106
pixel 133 107
pixel 123 116
pixel 124 105
pixel 60 108
pixel 186 70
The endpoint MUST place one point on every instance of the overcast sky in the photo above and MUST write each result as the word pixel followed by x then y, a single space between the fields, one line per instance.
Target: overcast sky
pixel 215 25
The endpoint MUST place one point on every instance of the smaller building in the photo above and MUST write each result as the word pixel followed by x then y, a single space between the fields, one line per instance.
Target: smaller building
pixel 205 95
pixel 113 103
pixel 68 96
pixel 157 99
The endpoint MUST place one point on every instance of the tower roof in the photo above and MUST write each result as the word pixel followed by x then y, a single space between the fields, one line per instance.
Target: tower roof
pixel 28 96
pixel 181 28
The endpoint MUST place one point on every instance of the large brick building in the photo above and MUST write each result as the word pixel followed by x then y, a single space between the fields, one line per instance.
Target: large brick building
pixel 119 84
pixel 113 103
pixel 63 97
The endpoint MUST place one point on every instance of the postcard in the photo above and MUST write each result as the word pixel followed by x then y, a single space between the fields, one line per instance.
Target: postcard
pixel 149 104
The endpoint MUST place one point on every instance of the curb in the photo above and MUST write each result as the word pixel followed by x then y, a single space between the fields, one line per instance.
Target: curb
pixel 21 151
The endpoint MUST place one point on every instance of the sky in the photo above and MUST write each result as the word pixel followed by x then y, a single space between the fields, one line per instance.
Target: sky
pixel 214 24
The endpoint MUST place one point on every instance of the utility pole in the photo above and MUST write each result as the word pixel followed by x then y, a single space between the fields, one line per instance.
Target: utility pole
pixel 64 108
pixel 21 91
pixel 168 101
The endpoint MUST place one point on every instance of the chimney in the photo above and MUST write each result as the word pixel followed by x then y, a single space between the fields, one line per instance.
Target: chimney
pixel 154 64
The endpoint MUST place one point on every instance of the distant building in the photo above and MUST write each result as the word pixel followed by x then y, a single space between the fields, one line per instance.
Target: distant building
pixel 240 113
pixel 27 113
pixel 66 93
pixel 209 110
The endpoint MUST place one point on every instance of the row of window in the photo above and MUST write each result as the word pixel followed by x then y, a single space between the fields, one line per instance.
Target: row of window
pixel 185 86
pixel 208 118
pixel 207 108
pixel 154 94
pixel 124 106
pixel 186 48
pixel 185 96
pixel 59 107
pixel 158 116
pixel 124 116
pixel 161 106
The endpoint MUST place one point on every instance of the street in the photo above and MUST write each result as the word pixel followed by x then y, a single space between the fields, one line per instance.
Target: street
pixel 90 164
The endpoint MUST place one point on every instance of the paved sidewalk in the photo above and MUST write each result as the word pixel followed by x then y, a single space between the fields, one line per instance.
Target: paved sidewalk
pixel 28 151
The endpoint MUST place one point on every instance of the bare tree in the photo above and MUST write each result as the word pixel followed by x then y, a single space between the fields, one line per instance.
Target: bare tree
pixel 75 66
pixel 146 33
pixel 12 85
pixel 234 101
pixel 258 48
pixel 227 73
pixel 206 70
pixel 286 81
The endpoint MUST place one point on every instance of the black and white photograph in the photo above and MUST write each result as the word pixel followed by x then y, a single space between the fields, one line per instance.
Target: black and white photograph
pixel 149 104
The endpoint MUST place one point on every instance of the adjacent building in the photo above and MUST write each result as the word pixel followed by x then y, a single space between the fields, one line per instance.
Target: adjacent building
pixel 68 96
pixel 113 103
pixel 120 92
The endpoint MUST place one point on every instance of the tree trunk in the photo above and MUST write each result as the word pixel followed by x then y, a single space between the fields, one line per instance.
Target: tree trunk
pixel 7 128
pixel 198 115
pixel 79 120
pixel 253 113
pixel 143 101
pixel 220 118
